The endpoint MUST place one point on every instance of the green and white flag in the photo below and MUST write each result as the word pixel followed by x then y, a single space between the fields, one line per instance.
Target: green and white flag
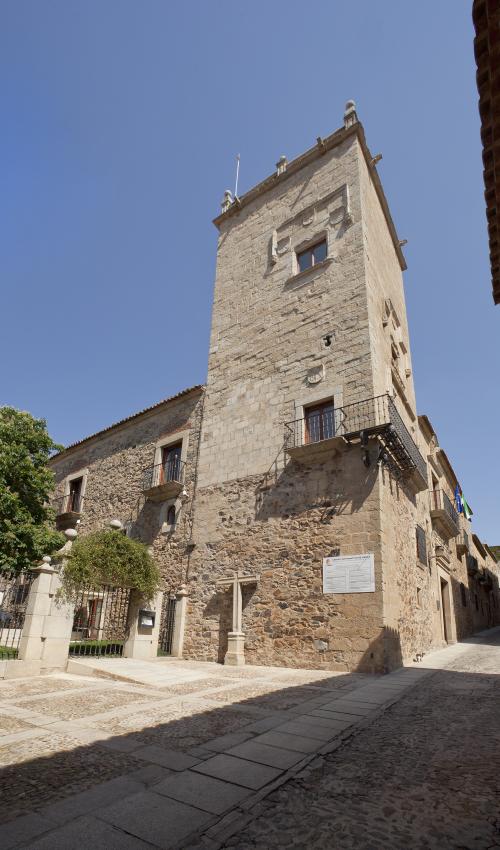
pixel 466 507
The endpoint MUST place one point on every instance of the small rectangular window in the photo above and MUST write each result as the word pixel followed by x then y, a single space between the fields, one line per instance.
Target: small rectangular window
pixel 312 256
pixel 421 545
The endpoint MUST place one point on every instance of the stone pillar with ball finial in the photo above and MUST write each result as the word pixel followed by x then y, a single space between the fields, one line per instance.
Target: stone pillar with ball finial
pixel 48 622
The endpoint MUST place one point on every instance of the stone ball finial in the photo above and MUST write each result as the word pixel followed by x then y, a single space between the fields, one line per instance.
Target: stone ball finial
pixel 70 534
pixel 116 524
pixel 350 116
pixel 227 200
pixel 281 164
pixel 46 559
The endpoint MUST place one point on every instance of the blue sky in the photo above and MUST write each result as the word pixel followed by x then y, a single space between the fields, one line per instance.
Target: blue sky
pixel 120 125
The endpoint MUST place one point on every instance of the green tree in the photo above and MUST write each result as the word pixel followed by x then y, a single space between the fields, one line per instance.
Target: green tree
pixel 26 482
pixel 109 557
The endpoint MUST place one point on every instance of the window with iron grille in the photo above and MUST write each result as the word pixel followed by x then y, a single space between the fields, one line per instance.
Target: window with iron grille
pixel 421 545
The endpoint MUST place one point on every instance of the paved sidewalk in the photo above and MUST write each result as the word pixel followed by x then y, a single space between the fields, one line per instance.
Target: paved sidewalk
pixel 192 762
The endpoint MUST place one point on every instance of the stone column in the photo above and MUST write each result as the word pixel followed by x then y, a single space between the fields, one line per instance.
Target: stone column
pixel 179 622
pixel 235 655
pixel 142 640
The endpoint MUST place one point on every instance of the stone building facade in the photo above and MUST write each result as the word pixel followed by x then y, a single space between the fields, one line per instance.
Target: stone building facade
pixel 305 444
pixel 119 473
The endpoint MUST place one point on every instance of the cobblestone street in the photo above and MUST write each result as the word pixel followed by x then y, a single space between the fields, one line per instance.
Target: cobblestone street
pixel 196 756
pixel 425 775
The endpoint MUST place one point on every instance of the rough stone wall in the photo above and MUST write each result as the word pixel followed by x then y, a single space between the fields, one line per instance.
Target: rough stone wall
pixel 116 461
pixel 406 584
pixel 281 531
pixel 452 567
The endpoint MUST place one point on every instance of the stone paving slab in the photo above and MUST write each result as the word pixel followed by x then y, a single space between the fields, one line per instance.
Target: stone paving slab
pixel 23 829
pixel 338 715
pixel 327 721
pixel 348 707
pixel 88 832
pixel 301 727
pixel 264 754
pixel 153 818
pixel 166 758
pixel 283 740
pixel 240 771
pixel 204 792
pixel 87 801
pixel 224 742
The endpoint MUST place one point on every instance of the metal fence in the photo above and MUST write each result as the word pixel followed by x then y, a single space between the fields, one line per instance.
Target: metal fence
pixel 14 593
pixel 100 621
pixel 167 624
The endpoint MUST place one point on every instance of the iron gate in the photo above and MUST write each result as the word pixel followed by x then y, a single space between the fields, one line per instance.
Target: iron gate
pixel 167 623
pixel 14 593
pixel 100 621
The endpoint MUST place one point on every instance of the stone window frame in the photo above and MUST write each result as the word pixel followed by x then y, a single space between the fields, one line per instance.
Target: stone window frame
pixel 317 395
pixel 166 527
pixel 172 439
pixel 322 235
pixel 80 473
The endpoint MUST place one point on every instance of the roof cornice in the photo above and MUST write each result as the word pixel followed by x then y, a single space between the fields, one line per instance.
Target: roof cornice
pixel 141 413
pixel 322 146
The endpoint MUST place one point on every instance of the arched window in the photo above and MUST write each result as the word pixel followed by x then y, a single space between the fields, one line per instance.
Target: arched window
pixel 171 515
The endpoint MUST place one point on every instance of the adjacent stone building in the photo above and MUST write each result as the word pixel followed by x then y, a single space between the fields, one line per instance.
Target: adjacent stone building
pixel 302 465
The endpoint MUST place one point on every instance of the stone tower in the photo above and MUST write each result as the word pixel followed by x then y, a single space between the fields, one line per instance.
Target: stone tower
pixel 309 436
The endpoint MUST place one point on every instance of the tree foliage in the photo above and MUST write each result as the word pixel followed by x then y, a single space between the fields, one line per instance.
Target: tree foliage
pixel 109 557
pixel 26 482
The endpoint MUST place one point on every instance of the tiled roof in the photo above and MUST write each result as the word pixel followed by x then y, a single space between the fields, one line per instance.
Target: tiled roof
pixel 129 418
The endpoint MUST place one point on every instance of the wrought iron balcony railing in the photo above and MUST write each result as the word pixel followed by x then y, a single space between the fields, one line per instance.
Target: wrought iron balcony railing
pixel 440 501
pixel 442 509
pixel 71 503
pixel 164 474
pixel 376 416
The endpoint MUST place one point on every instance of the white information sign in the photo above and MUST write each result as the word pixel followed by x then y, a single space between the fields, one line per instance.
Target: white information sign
pixel 349 574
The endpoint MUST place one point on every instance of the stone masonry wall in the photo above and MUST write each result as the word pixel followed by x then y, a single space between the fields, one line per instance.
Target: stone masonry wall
pixel 116 461
pixel 268 324
pixel 281 530
pixel 258 510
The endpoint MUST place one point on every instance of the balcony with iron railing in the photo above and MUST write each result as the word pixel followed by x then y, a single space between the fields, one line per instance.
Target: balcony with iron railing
pixel 443 514
pixel 374 417
pixel 68 509
pixel 163 480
